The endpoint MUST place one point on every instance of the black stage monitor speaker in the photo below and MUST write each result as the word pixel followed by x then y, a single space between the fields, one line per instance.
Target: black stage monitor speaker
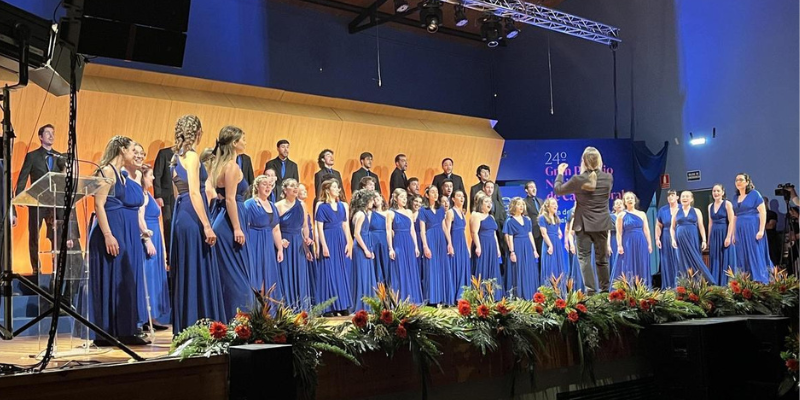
pixel 261 371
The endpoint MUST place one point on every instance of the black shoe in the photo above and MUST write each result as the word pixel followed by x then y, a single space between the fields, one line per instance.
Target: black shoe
pixel 156 327
pixel 136 340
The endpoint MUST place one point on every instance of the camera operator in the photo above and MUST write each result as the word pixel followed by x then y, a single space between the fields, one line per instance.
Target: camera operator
pixel 771 229
pixel 793 238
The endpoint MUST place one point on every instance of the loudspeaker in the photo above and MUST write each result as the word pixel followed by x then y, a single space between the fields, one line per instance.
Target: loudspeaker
pixel 171 15
pixel 261 371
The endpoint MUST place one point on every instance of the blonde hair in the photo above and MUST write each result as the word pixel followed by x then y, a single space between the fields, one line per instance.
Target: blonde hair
pixel 591 161
pixel 512 205
pixel 395 195
pixel 551 218
pixel 325 194
pixel 256 182
pixel 113 149
pixel 479 203
pixel 224 150
pixel 285 184
pixel 186 132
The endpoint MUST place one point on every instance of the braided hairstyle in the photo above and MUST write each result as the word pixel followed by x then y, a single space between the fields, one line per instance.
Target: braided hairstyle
pixel 187 131
pixel 113 149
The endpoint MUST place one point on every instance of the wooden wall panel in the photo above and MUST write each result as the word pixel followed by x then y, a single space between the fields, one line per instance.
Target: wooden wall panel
pixel 145 106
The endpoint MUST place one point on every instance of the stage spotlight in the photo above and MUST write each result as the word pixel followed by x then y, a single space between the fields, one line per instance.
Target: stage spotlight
pixel 400 6
pixel 511 30
pixel 491 31
pixel 697 141
pixel 460 16
pixel 430 15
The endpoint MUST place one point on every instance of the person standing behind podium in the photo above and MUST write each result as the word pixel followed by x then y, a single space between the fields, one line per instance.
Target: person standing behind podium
pixel 447 173
pixel 591 221
pixel 326 171
pixel 36 165
pixel 398 180
pixel 284 167
pixel 162 192
pixel 532 205
pixel 364 171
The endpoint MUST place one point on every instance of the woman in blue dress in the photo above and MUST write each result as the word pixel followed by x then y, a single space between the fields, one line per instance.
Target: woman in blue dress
pixel 377 234
pixel 364 280
pixel 667 254
pixel 416 203
pixel 456 223
pixel 523 267
pixel 752 250
pixel 155 259
pixel 635 245
pixel 265 247
pixel 403 250
pixel 115 247
pixel 437 281
pixel 135 176
pixel 196 289
pixel 294 271
pixel 553 262
pixel 721 252
pixel 685 225
pixel 230 222
pixel 485 260
pixel 335 249
pixel 302 195
pixel 619 207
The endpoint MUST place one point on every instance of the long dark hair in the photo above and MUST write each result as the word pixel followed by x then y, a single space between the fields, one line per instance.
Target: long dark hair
pixel 749 181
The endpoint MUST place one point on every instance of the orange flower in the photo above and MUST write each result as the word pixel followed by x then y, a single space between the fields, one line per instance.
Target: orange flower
pixel 539 298
pixel 218 330
pixel 360 319
pixel 501 308
pixel 243 332
pixel 680 290
pixel 581 308
pixel 483 311
pixel 561 304
pixel 387 317
pixel 464 308
pixel 539 309
pixel 280 338
pixel 573 316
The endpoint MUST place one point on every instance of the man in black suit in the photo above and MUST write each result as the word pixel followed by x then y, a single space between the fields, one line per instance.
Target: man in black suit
pixel 326 171
pixel 247 168
pixel 532 205
pixel 398 179
pixel 413 187
pixel 365 170
pixel 592 221
pixel 447 168
pixel 284 167
pixel 163 192
pixel 483 173
pixel 38 163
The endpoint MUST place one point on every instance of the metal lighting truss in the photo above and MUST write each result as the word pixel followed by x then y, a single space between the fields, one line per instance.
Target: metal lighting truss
pixel 546 18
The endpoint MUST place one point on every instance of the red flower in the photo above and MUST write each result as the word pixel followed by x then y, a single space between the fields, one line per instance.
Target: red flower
pixel 387 317
pixel 360 319
pixel 502 309
pixel 680 297
pixel 652 301
pixel 539 309
pixel 402 333
pixel 792 364
pixel 464 308
pixel 736 289
pixel 618 294
pixel 483 311
pixel 747 293
pixel 733 283
pixel 782 289
pixel 573 316
pixel 561 304
pixel 581 308
pixel 280 339
pixel 539 298
pixel 644 305
pixel 680 290
pixel 693 297
pixel 218 330
pixel 243 331
pixel 631 302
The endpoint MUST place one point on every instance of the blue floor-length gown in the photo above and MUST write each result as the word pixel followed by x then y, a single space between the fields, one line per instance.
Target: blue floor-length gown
pixel 752 255
pixel 688 254
pixel 635 260
pixel 364 280
pixel 155 270
pixel 720 258
pixel 233 259
pixel 404 269
pixel 333 276
pixel 377 235
pixel 486 265
pixel 667 254
pixel 438 285
pixel 263 273
pixel 524 273
pixel 294 271
pixel 553 265
pixel 573 265
pixel 196 290
pixel 460 261
pixel 115 281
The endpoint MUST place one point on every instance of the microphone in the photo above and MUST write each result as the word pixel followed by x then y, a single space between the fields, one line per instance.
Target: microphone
pixel 64 157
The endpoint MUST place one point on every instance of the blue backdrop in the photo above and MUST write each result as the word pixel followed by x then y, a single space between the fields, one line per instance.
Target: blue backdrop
pixel 537 160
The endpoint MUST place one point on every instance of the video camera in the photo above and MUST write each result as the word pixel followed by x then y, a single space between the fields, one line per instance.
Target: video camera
pixel 785 190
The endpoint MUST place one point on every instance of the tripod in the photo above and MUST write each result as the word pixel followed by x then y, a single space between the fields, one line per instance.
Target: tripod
pixel 7 276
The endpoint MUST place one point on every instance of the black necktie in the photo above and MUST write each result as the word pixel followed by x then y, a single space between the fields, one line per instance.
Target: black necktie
pixel 368 173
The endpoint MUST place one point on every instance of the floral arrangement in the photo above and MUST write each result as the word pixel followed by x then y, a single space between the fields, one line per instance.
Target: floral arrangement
pixel 482 319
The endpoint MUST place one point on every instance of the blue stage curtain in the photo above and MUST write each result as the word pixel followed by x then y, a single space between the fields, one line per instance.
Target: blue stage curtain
pixel 648 168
